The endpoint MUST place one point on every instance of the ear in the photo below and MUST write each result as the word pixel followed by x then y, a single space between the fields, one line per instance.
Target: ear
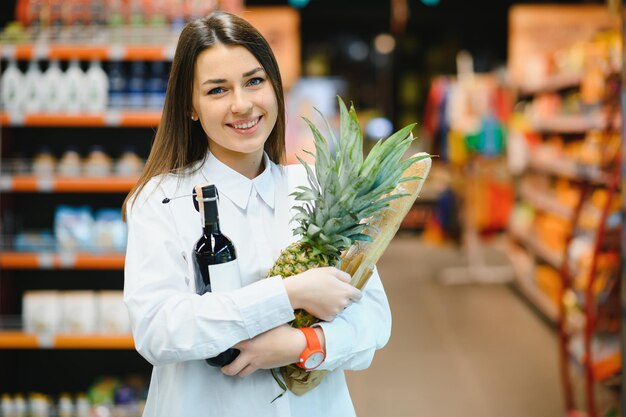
pixel 194 116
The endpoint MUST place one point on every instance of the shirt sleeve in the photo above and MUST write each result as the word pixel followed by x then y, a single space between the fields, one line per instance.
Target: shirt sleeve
pixel 170 323
pixel 361 329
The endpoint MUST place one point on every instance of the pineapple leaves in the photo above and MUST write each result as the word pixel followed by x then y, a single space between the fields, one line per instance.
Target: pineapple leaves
pixel 347 190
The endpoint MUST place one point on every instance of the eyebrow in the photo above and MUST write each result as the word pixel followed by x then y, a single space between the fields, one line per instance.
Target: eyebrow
pixel 244 75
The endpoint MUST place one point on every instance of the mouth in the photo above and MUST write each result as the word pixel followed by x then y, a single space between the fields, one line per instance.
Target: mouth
pixel 245 125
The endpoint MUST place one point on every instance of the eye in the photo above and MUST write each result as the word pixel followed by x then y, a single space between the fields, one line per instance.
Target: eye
pixel 216 90
pixel 256 81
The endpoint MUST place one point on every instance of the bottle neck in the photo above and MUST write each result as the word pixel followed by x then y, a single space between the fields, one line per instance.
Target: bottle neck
pixel 211 219
pixel 211 228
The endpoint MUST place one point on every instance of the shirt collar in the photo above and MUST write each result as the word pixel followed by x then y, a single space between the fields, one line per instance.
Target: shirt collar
pixel 237 187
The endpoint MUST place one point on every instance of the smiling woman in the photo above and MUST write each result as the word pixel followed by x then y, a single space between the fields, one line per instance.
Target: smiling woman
pixel 236 105
pixel 224 123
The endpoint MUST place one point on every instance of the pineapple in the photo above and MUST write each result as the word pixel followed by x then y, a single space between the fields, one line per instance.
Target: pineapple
pixel 344 194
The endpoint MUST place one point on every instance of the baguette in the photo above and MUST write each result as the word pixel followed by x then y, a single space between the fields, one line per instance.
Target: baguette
pixel 359 261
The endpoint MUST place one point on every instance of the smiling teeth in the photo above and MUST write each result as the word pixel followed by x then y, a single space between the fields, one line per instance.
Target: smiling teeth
pixel 247 125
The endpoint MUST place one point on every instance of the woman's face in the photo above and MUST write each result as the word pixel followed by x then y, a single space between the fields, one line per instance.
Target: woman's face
pixel 234 100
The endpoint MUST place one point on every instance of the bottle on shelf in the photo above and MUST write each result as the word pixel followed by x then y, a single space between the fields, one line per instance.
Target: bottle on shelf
pixel 83 407
pixel 215 259
pixel 97 163
pixel 32 83
pixel 66 406
pixel 156 85
pixel 52 91
pixel 74 82
pixel 11 84
pixel 136 85
pixel 117 85
pixel 128 164
pixel 70 164
pixel 7 406
pixel 44 163
pixel 97 88
pixel 20 405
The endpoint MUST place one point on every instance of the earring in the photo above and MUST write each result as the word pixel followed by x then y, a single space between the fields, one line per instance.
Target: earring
pixel 194 118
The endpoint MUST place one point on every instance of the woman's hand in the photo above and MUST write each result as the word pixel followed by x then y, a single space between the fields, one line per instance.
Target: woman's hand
pixel 323 292
pixel 277 347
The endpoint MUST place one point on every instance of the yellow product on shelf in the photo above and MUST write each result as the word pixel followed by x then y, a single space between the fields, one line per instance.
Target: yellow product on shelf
pixel 607 265
pixel 591 149
pixel 457 147
pixel 593 82
pixel 549 282
pixel 572 150
pixel 552 231
pixel 566 193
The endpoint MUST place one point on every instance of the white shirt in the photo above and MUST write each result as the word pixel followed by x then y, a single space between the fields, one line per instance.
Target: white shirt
pixel 175 329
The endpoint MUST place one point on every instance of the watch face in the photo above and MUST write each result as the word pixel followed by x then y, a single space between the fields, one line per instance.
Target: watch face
pixel 314 360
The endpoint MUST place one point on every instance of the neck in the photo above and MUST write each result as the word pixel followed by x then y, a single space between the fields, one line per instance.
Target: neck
pixel 248 165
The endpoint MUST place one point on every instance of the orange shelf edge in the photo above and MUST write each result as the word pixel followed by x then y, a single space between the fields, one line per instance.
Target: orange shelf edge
pixel 73 341
pixel 141 119
pixel 99 261
pixel 82 52
pixel 87 52
pixel 125 119
pixel 31 183
pixel 66 120
pixel 23 340
pixel 18 340
pixel 79 260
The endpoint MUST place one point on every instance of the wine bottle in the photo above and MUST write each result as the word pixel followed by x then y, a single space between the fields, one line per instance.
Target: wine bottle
pixel 215 258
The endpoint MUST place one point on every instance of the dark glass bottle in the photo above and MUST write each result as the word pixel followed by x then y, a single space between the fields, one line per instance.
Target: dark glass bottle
pixel 215 260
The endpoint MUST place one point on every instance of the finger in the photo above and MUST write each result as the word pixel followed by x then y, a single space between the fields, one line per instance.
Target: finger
pixel 235 366
pixel 343 276
pixel 356 295
pixel 246 371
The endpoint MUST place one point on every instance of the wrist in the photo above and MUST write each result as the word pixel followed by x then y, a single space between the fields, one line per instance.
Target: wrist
pixel 293 292
pixel 313 354
pixel 321 336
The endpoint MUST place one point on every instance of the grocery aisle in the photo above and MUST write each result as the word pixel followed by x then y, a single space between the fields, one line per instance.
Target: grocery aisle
pixel 466 350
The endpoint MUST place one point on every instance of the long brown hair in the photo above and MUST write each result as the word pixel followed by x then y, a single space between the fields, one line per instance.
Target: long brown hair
pixel 179 143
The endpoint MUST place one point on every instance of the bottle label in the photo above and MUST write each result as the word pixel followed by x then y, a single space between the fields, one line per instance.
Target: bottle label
pixel 225 277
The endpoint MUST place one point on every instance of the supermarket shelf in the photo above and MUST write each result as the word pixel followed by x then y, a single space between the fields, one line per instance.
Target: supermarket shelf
pixel 61 260
pixel 548 255
pixel 144 118
pixel 31 183
pixel 18 340
pixel 570 124
pixel 607 358
pixel 87 52
pixel 552 83
pixel 23 340
pixel 569 169
pixel 524 270
pixel 545 202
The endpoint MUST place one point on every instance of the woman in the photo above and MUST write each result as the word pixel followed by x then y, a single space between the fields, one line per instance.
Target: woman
pixel 223 123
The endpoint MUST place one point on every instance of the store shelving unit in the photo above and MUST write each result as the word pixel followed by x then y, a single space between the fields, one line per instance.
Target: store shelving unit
pixel 584 294
pixel 45 266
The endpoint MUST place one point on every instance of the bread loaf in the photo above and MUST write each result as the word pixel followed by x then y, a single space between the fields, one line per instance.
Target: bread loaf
pixel 360 259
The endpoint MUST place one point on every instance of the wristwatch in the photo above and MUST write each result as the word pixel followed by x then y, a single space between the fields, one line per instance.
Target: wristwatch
pixel 313 355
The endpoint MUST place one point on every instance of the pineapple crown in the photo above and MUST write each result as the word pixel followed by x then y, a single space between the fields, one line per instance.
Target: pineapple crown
pixel 346 191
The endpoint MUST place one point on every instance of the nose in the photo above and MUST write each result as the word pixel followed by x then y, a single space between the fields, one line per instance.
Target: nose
pixel 241 103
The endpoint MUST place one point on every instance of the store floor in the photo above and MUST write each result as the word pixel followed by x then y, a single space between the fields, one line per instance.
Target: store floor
pixel 466 350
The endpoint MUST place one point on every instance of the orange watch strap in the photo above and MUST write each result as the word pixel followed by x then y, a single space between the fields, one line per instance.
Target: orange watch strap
pixel 312 341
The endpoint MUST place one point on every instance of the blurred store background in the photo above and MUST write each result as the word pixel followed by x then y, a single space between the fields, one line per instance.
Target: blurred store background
pixel 505 279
